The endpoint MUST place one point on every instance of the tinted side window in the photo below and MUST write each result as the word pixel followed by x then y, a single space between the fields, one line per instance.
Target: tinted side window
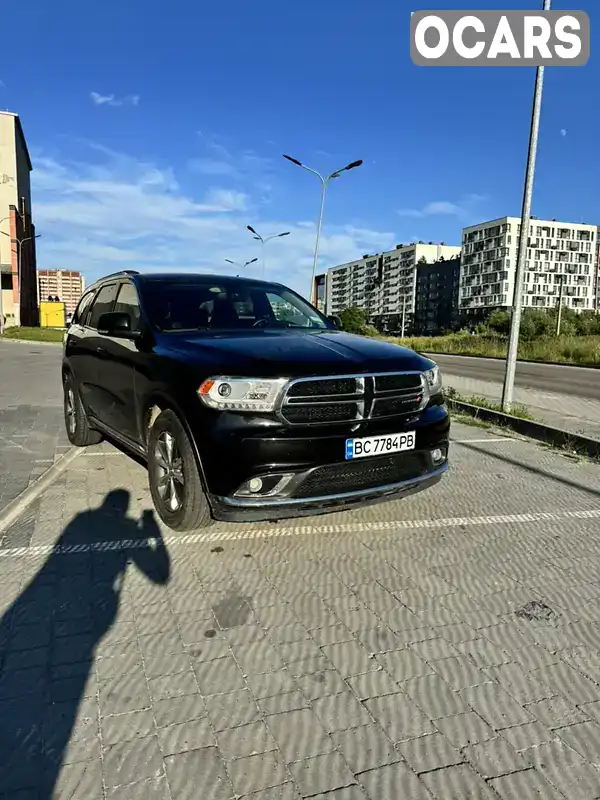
pixel 103 303
pixel 128 303
pixel 82 309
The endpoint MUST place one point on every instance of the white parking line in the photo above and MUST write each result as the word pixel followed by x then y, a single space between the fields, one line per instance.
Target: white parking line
pixel 234 533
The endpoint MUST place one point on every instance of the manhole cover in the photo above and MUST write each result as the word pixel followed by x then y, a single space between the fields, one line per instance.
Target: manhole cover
pixel 537 610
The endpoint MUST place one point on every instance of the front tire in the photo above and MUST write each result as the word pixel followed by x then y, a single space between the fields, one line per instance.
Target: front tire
pixel 78 428
pixel 173 476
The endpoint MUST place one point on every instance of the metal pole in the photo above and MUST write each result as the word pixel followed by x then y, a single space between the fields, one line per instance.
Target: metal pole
pixel 264 268
pixel 319 225
pixel 1 295
pixel 560 297
pixel 18 308
pixel 513 342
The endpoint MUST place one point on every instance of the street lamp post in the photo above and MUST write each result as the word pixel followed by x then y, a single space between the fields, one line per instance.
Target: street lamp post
pixel 20 243
pixel 1 296
pixel 238 264
pixel 263 240
pixel 324 184
pixel 515 323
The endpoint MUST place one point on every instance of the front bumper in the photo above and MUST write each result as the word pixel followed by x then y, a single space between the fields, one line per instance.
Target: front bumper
pixel 237 509
pixel 305 473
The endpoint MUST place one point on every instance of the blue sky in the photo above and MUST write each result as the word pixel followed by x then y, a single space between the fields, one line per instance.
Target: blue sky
pixel 156 132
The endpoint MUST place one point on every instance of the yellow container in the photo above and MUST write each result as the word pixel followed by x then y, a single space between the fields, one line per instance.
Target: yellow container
pixel 52 315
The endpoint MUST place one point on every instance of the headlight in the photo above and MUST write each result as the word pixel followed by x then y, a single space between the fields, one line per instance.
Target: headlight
pixel 242 394
pixel 433 378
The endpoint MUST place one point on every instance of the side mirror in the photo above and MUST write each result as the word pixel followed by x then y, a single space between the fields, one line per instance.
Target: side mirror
pixel 118 324
pixel 335 320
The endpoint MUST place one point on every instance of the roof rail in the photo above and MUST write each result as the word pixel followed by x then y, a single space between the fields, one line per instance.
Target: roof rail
pixel 120 272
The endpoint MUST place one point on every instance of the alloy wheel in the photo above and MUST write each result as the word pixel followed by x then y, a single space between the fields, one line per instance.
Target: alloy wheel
pixel 170 482
pixel 71 411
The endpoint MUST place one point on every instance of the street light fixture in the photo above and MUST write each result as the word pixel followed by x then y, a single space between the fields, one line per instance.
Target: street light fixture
pixel 324 184
pixel 1 298
pixel 20 243
pixel 263 240
pixel 238 264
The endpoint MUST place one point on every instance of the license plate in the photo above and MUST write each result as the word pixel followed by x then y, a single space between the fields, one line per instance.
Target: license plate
pixel 379 445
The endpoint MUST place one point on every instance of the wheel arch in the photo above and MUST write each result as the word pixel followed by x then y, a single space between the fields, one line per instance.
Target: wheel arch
pixel 154 405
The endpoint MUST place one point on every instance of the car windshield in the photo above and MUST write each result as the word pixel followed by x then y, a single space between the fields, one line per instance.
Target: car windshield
pixel 208 304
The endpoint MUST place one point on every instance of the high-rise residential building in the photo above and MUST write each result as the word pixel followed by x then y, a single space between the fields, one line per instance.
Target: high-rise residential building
pixel 319 292
pixel 436 306
pixel 597 292
pixel 383 284
pixel 558 253
pixel 18 292
pixel 62 283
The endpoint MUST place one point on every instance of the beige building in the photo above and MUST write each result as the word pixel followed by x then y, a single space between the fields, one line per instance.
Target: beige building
pixel 17 233
pixel 68 286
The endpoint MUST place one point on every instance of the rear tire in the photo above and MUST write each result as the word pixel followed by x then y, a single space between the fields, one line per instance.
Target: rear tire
pixel 78 428
pixel 173 476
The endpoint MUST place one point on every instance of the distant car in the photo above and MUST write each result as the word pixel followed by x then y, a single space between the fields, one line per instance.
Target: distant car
pixel 246 402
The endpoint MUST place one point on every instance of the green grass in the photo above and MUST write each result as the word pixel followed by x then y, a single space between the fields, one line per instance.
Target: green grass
pixel 520 411
pixel 34 334
pixel 569 349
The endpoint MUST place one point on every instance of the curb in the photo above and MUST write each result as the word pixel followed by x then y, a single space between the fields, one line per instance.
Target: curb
pixel 519 360
pixel 13 510
pixel 28 341
pixel 531 429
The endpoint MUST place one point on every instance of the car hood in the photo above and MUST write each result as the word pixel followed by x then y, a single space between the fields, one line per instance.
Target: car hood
pixel 288 352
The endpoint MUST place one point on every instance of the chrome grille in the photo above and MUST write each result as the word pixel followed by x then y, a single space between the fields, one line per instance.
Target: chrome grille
pixel 352 398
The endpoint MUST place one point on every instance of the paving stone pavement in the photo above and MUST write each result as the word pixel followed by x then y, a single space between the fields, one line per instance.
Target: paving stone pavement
pixel 579 415
pixel 32 434
pixel 444 646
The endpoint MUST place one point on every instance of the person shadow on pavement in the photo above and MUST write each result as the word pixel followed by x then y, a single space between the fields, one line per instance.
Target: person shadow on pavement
pixel 48 640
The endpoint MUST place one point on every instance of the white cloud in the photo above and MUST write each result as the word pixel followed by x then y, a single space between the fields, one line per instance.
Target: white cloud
pixel 117 212
pixel 563 131
pixel 111 100
pixel 463 208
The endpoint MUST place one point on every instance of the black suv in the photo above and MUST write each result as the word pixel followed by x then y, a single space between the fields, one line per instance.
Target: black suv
pixel 245 402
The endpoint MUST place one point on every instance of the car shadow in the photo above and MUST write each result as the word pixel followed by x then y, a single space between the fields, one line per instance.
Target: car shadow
pixel 49 636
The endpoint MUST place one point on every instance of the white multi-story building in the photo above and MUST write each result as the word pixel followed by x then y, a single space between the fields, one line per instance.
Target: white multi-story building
pixel 384 283
pixel 558 254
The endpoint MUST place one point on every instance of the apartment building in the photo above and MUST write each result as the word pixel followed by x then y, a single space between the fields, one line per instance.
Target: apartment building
pixel 557 252
pixel 18 291
pixel 597 292
pixel 68 286
pixel 436 302
pixel 383 284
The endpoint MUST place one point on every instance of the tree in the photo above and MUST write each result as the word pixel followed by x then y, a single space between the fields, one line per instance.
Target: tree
pixel 354 320
pixel 499 322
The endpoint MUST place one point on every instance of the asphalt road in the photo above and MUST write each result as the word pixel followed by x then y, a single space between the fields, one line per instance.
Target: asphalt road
pixel 580 382
pixel 31 422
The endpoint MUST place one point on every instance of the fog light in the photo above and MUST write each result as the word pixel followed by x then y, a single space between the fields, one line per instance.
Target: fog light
pixel 266 486
pixel 437 455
